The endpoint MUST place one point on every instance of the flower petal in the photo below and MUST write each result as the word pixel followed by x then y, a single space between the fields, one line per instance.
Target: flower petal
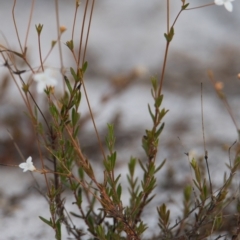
pixel 219 2
pixel 40 87
pixel 228 6
pixel 31 167
pixel 29 160
pixel 28 165
pixel 23 166
pixel 44 79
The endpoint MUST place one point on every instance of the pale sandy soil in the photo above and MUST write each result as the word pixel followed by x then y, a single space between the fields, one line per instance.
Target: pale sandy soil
pixel 124 36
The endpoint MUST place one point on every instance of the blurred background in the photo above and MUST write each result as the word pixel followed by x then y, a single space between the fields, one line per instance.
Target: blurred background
pixel 125 49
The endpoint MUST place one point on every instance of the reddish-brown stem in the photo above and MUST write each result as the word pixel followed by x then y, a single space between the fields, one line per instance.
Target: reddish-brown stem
pixel 59 35
pixel 40 53
pixel 15 26
pixel 206 5
pixel 89 24
pixel 28 27
pixel 82 31
pixel 74 19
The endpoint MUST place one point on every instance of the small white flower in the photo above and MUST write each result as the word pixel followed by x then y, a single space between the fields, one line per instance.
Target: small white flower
pixel 28 165
pixel 44 79
pixel 227 4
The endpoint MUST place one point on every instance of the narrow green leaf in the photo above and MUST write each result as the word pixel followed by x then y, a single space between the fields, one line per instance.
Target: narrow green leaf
pixel 113 160
pixel 68 84
pixel 75 134
pixel 157 134
pixel 158 101
pixel 70 45
pixel 160 166
pixel 53 110
pixel 75 76
pixel 116 180
pixel 39 28
pixel 84 67
pixel 170 35
pixel 187 193
pixel 154 83
pixel 163 113
pixel 142 166
pixel 58 230
pixel 150 199
pixel 75 215
pixel 48 222
pixel 151 114
pixel 185 6
pixel 131 166
pixel 80 173
pixel 75 117
pixel 119 191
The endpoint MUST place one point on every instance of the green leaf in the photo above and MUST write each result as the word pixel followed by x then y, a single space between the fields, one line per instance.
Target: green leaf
pixel 80 173
pixel 145 144
pixel 187 193
pixel 39 28
pixel 79 198
pixel 75 117
pixel 84 67
pixel 58 230
pixel 49 223
pixel 150 199
pixel 158 101
pixel 163 113
pixel 77 99
pixel 16 53
pixel 113 160
pixel 196 184
pixel 75 76
pixel 131 166
pixel 204 192
pixel 116 180
pixel 141 228
pixel 75 134
pixel 151 114
pixel 160 166
pixel 53 110
pixel 119 191
pixel 68 84
pixel 185 6
pixel 107 165
pixel 70 45
pixel 142 166
pixel 164 214
pixel 75 215
pixel 53 43
pixel 170 35
pixel 110 139
pixel 154 83
pixel 100 232
pixel 159 131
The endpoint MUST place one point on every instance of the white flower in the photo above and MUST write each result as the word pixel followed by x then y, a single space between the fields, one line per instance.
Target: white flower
pixel 28 165
pixel 44 79
pixel 227 4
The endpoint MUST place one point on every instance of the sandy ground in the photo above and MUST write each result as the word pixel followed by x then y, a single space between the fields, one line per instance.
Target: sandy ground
pixel 126 35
